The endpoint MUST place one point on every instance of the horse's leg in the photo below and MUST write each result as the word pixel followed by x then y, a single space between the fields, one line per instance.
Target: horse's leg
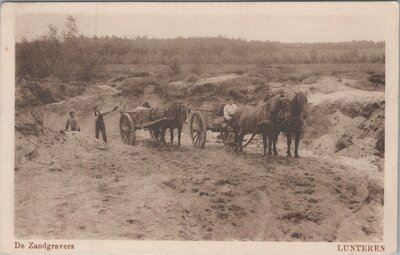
pixel 275 139
pixel 265 142
pixel 241 137
pixel 236 142
pixel 270 142
pixel 162 136
pixel 179 135
pixel 157 134
pixel 296 143
pixel 171 132
pixel 289 142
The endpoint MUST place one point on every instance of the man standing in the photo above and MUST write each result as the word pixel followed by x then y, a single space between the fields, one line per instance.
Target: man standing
pixel 99 119
pixel 72 122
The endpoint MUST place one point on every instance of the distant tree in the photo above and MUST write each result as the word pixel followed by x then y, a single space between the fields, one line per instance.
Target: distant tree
pixel 52 33
pixel 70 28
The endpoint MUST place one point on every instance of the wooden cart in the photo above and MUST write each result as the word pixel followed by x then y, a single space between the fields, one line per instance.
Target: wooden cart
pixel 203 119
pixel 130 121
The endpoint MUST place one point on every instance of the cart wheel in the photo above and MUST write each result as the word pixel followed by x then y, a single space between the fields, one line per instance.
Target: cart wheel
pixel 228 138
pixel 198 130
pixel 127 129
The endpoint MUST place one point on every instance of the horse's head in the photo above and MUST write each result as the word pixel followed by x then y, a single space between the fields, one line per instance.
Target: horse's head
pixel 184 111
pixel 279 107
pixel 299 105
pixel 285 109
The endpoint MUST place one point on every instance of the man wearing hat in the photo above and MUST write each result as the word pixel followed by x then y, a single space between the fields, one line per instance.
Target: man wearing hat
pixel 229 109
pixel 72 122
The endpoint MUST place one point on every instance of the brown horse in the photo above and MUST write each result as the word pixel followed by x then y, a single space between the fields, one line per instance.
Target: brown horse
pixel 176 115
pixel 294 123
pixel 154 131
pixel 248 120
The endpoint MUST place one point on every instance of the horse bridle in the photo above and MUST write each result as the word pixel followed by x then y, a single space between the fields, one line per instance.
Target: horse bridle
pixel 281 113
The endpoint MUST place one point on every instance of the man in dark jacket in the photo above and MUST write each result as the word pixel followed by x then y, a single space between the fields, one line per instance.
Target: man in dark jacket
pixel 99 119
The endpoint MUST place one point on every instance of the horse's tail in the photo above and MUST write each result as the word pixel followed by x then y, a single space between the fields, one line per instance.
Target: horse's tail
pixel 251 138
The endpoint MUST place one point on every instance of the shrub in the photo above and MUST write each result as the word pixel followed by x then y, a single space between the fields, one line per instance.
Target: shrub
pixel 192 78
pixel 196 68
pixel 206 88
pixel 366 84
pixel 378 79
pixel 174 67
pixel 118 78
pixel 135 86
pixel 141 74
pixel 238 71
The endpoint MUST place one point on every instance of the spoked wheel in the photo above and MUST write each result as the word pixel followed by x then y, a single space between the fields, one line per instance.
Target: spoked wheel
pixel 198 130
pixel 228 138
pixel 127 129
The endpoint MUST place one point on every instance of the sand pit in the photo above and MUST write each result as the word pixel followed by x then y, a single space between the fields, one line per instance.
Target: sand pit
pixel 115 191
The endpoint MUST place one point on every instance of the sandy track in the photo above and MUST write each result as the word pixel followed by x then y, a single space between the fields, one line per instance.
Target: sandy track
pixel 143 192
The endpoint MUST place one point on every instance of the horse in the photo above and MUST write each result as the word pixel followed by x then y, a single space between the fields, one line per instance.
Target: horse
pixel 154 131
pixel 176 114
pixel 293 123
pixel 247 120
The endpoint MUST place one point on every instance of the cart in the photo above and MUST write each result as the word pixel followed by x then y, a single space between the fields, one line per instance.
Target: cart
pixel 140 118
pixel 204 119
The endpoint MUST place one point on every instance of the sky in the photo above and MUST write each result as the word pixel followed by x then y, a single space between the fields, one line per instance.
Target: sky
pixel 236 23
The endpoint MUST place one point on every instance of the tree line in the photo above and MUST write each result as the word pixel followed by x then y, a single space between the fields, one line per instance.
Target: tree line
pixel 68 55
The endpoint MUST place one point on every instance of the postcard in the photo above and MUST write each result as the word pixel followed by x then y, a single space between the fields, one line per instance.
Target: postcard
pixel 199 128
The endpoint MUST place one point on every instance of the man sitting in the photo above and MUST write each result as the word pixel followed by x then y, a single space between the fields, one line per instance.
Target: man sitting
pixel 72 122
pixel 229 109
pixel 224 113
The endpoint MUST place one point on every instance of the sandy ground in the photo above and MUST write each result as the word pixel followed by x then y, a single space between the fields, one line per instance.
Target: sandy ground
pixel 76 187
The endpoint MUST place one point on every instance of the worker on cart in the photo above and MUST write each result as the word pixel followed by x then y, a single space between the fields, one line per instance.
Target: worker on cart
pixel 229 109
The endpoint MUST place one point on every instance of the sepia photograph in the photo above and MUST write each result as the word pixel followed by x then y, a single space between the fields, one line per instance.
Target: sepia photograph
pixel 201 122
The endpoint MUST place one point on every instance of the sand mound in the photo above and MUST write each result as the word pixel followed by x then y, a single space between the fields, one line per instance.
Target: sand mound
pixel 210 85
pixel 324 145
pixel 45 149
pixel 178 89
pixel 31 98
pixel 50 90
pixel 349 129
pixel 84 141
